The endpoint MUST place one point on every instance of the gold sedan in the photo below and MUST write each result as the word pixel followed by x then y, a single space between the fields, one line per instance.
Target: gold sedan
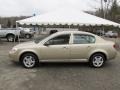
pixel 65 46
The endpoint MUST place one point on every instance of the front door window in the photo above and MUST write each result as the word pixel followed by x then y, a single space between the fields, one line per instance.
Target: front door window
pixel 59 40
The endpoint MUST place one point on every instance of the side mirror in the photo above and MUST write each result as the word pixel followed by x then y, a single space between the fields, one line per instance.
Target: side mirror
pixel 47 44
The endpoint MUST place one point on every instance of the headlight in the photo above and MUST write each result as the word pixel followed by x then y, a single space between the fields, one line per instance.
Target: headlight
pixel 13 50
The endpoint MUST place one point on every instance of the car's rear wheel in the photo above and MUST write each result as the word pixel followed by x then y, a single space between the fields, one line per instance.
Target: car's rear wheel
pixel 97 60
pixel 29 60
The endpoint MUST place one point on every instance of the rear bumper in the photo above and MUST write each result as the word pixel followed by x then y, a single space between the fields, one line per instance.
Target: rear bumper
pixel 112 56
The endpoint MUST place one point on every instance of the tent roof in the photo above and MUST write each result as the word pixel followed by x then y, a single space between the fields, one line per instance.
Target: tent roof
pixel 67 16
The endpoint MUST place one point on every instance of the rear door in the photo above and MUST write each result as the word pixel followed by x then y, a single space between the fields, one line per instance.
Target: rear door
pixel 81 46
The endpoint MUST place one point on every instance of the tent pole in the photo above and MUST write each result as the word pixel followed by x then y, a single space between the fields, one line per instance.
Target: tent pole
pixel 103 30
pixel 69 27
pixel 19 33
pixel 15 32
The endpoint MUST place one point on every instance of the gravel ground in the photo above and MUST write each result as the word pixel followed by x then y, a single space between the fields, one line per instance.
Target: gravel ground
pixel 55 76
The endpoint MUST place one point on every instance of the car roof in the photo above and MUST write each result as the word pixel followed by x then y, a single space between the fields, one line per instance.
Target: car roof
pixel 79 32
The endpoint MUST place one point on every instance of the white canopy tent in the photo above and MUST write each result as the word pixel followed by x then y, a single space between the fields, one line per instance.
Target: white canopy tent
pixel 67 16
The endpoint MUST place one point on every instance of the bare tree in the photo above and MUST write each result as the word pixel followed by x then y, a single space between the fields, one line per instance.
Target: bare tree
pixel 105 5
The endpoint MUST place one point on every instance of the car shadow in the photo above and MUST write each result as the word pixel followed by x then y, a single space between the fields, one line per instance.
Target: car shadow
pixel 16 64
pixel 62 65
pixel 55 64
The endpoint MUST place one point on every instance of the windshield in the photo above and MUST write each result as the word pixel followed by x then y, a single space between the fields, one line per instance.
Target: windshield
pixel 39 38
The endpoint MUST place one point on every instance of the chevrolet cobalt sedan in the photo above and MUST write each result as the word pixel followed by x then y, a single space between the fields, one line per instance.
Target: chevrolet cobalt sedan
pixel 65 46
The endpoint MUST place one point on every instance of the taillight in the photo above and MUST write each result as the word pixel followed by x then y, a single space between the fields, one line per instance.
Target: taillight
pixel 116 46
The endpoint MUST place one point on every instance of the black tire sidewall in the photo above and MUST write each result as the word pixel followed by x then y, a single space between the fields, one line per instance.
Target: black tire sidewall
pixel 9 37
pixel 29 36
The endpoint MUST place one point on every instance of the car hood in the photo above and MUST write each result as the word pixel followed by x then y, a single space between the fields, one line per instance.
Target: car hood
pixel 26 45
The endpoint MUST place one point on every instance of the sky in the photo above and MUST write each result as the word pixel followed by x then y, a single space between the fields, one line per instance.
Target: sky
pixel 29 7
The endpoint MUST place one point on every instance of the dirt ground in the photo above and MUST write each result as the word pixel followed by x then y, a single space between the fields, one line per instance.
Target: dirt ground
pixel 55 76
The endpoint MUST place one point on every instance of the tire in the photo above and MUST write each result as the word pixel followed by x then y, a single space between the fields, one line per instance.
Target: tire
pixel 28 36
pixel 10 38
pixel 97 60
pixel 16 39
pixel 29 60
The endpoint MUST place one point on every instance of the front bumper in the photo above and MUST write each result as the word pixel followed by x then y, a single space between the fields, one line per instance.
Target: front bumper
pixel 13 57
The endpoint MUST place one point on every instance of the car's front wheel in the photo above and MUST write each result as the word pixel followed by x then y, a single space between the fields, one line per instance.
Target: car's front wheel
pixel 28 36
pixel 29 60
pixel 97 60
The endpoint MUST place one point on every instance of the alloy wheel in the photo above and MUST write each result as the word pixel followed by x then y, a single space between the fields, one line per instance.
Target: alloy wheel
pixel 29 61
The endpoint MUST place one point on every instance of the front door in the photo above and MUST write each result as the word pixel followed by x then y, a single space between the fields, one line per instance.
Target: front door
pixel 56 48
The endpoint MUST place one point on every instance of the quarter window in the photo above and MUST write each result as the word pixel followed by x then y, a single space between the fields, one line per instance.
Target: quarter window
pixel 83 39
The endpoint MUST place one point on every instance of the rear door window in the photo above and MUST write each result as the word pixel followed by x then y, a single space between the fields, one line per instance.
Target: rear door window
pixel 83 39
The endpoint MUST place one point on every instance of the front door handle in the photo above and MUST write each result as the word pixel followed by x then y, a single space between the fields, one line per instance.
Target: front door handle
pixel 89 46
pixel 65 47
